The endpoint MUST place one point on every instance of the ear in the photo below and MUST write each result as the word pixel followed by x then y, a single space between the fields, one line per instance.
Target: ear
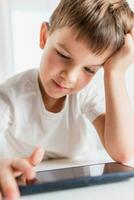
pixel 44 34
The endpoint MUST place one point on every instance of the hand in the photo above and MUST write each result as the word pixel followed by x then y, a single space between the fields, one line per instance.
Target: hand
pixel 11 168
pixel 123 58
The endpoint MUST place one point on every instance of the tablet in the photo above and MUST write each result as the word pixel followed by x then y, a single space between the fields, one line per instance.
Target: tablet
pixel 65 178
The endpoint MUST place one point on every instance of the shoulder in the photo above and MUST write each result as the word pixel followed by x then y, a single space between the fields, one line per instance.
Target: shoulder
pixel 19 84
pixel 16 88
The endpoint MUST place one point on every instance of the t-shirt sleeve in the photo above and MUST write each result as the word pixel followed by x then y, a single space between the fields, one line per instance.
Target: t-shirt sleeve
pixel 93 98
pixel 5 112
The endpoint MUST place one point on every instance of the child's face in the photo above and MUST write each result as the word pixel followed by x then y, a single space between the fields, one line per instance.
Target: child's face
pixel 67 65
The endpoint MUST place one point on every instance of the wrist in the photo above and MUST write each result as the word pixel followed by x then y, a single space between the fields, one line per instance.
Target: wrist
pixel 115 69
pixel 114 74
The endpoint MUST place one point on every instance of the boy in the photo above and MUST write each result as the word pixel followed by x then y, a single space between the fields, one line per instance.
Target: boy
pixel 50 107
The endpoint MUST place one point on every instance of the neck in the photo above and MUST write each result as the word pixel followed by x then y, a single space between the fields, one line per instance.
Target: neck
pixel 54 105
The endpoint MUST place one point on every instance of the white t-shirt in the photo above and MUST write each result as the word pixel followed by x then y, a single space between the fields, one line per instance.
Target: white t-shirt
pixel 26 124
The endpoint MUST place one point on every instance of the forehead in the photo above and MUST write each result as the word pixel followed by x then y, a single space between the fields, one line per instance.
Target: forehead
pixel 66 38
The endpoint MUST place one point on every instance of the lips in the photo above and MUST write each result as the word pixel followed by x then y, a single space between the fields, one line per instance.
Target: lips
pixel 60 86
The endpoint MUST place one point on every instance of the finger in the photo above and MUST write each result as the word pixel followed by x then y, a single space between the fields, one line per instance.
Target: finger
pixel 133 34
pixel 21 180
pixel 128 46
pixel 34 159
pixel 8 184
pixel 132 31
pixel 24 167
pixel 37 156
pixel 17 173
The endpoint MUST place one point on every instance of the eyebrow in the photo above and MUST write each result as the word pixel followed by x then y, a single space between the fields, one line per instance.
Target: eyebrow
pixel 65 48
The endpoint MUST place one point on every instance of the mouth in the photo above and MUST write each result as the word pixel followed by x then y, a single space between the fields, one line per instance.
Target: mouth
pixel 60 86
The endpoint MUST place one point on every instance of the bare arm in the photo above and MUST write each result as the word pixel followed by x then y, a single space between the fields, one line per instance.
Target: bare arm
pixel 116 128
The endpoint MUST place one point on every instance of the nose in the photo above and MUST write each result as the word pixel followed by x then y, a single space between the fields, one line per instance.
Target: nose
pixel 70 75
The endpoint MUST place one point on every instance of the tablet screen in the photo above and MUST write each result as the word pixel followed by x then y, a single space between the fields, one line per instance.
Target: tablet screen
pixel 78 172
pixel 72 177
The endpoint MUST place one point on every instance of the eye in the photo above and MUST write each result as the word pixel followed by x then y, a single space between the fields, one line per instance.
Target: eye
pixel 88 70
pixel 62 55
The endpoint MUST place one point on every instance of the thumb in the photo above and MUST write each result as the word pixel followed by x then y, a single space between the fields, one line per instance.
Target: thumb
pixel 37 156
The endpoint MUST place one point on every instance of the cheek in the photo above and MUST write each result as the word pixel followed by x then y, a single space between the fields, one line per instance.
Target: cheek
pixel 83 81
pixel 49 64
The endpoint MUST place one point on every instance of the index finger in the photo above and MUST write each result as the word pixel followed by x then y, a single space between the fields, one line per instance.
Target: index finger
pixel 22 166
pixel 36 157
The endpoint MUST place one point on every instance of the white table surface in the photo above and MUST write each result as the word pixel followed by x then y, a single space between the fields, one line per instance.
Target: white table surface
pixel 122 190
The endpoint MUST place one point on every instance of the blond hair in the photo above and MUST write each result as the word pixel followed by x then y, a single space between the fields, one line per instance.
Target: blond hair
pixel 101 23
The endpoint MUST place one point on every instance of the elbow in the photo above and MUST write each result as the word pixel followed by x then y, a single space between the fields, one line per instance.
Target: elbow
pixel 123 158
pixel 121 155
